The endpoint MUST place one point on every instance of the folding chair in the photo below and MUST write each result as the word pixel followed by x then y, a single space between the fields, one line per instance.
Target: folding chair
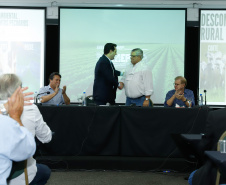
pixel 17 169
pixel 218 149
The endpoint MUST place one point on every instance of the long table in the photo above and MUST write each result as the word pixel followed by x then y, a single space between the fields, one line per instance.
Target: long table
pixel 119 130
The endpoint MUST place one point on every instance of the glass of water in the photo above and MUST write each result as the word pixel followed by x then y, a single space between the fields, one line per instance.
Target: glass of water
pixel 190 103
pixel 79 98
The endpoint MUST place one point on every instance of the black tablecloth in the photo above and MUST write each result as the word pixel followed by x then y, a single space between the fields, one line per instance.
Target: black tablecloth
pixel 119 130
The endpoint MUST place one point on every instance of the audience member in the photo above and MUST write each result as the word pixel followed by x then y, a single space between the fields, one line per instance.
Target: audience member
pixel 215 126
pixel 33 121
pixel 16 142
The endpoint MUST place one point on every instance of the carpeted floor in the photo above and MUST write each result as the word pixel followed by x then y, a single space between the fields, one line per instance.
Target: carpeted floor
pixel 117 178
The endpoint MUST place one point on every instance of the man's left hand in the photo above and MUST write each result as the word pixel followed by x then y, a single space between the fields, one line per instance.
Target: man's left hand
pixel 26 96
pixel 64 90
pixel 146 103
pixel 16 104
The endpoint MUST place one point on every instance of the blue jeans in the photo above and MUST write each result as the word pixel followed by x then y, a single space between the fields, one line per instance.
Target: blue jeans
pixel 138 101
pixel 42 175
pixel 191 177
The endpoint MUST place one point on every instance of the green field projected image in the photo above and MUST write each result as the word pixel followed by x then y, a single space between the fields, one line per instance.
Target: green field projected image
pixel 84 32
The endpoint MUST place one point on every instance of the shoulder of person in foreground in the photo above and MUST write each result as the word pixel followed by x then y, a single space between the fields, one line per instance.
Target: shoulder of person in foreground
pixel 19 142
pixel 33 121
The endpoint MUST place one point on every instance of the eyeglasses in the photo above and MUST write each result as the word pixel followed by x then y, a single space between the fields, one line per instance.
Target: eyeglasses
pixel 176 84
pixel 133 56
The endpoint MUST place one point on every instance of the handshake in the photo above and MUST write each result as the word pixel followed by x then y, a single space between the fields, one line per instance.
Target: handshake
pixel 120 85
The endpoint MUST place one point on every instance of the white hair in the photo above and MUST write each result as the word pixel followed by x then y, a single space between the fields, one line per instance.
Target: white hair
pixel 8 84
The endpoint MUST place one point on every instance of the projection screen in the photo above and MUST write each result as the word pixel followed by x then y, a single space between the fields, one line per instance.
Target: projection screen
pixel 22 38
pixel 160 33
pixel 212 57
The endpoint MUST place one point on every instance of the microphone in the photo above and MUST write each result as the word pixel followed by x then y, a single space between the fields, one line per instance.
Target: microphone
pixel 205 95
pixel 40 94
pixel 43 93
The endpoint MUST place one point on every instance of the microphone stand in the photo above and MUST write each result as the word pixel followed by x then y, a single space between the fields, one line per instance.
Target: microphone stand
pixel 205 96
pixel 36 97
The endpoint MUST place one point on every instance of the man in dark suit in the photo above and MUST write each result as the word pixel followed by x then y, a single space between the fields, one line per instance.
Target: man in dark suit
pixel 106 77
pixel 215 126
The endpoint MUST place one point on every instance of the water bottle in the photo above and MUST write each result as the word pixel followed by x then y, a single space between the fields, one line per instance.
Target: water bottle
pixel 200 100
pixel 84 99
pixel 35 97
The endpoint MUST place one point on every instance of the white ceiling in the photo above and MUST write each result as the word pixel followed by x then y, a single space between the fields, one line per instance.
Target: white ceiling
pixel 118 3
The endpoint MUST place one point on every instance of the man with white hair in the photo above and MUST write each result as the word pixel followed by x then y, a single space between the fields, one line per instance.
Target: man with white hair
pixel 16 142
pixel 33 121
pixel 137 81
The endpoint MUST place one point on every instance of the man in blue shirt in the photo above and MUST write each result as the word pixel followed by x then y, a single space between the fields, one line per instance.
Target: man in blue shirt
pixel 179 96
pixel 16 142
pixel 53 94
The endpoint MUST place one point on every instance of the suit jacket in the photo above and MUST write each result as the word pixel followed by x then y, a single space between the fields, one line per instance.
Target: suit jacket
pixel 215 126
pixel 105 81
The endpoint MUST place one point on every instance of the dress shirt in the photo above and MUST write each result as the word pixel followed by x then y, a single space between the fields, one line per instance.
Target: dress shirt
pixel 16 144
pixel 188 94
pixel 58 99
pixel 33 121
pixel 137 80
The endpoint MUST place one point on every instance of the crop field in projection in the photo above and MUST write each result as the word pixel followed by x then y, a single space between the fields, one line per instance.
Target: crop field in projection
pixel 78 63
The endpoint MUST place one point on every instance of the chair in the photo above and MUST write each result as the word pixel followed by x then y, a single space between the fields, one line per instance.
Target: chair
pixel 17 169
pixel 90 101
pixel 218 149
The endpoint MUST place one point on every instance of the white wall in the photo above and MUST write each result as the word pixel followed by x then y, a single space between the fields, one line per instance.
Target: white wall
pixel 52 6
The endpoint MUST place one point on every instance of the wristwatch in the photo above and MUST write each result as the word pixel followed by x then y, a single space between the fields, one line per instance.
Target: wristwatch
pixel 3 110
pixel 147 99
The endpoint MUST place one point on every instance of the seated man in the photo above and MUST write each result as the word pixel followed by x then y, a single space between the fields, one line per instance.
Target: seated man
pixel 215 126
pixel 179 96
pixel 16 142
pixel 57 95
pixel 33 121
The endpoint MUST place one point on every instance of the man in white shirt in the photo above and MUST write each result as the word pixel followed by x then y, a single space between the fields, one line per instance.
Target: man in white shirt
pixel 33 121
pixel 16 142
pixel 137 81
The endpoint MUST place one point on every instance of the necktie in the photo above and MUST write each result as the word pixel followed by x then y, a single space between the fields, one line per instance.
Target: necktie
pixel 113 68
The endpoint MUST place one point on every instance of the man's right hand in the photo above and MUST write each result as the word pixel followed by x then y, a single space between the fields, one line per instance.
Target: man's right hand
pixel 57 89
pixel 179 95
pixel 121 85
